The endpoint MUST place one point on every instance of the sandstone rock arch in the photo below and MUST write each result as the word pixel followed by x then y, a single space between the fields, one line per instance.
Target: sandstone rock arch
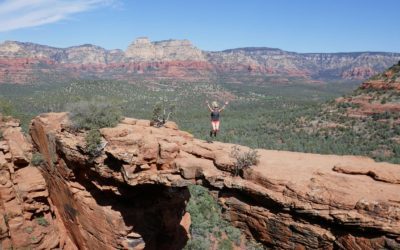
pixel 134 194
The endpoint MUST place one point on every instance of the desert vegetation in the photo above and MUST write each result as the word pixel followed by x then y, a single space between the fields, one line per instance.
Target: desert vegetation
pixel 296 117
pixel 162 112
pixel 272 116
pixel 208 229
pixel 244 159
pixel 92 116
pixel 37 159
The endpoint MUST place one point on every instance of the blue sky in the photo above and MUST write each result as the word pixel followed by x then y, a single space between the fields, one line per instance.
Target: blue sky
pixel 294 25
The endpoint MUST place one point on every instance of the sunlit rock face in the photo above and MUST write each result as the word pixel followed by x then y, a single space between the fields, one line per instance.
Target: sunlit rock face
pixel 170 50
pixel 137 187
pixel 28 219
pixel 180 60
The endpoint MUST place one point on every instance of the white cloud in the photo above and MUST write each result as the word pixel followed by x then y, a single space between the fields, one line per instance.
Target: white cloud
pixel 17 14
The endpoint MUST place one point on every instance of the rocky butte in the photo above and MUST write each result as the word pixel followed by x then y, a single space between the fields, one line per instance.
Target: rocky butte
pixel 134 194
pixel 376 96
pixel 142 49
pixel 24 63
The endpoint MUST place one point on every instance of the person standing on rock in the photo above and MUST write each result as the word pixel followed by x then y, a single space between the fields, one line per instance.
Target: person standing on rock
pixel 215 115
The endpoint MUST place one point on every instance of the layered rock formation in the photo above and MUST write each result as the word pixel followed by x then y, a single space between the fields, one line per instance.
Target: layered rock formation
pixel 133 194
pixel 27 215
pixel 376 96
pixel 171 50
pixel 387 80
pixel 179 59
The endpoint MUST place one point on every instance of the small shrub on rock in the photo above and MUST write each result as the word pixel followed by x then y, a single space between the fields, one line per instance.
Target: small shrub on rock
pixel 162 112
pixel 244 159
pixel 93 115
pixel 93 142
pixel 37 159
pixel 42 221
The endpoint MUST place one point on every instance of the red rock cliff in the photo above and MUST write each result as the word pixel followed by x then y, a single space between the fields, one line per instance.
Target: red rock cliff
pixel 133 195
pixel 28 219
pixel 29 63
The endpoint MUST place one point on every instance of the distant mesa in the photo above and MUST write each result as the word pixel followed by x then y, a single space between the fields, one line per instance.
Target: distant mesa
pixel 142 49
pixel 142 40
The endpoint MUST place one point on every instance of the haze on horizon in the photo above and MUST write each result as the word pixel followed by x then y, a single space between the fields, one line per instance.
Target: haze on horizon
pixel 309 26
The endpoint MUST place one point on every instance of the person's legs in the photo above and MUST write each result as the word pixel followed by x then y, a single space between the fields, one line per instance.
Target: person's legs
pixel 217 125
pixel 216 129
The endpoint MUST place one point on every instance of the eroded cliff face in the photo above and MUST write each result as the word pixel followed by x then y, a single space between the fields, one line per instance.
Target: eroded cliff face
pixel 28 218
pixel 180 60
pixel 96 204
pixel 133 195
pixel 142 49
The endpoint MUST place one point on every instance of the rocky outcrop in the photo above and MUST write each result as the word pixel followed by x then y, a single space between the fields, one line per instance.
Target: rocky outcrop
pixel 376 96
pixel 179 59
pixel 171 50
pixel 27 218
pixel 98 206
pixel 133 194
pixel 388 80
pixel 359 73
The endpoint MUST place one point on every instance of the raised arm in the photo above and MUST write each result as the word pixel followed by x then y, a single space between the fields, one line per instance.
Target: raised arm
pixel 208 105
pixel 223 107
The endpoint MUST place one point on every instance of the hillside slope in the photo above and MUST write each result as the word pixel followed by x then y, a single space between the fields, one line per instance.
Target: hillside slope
pixel 367 120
